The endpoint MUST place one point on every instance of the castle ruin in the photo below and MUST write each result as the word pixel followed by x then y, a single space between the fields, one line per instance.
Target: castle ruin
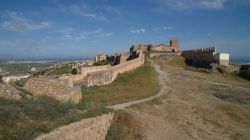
pixel 173 47
pixel 67 88
pixel 205 56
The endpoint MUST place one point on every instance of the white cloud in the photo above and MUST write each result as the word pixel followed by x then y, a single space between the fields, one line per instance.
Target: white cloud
pixel 97 31
pixel 181 5
pixel 140 30
pixel 167 28
pixel 69 34
pixel 18 23
pixel 83 10
pixel 164 28
pixel 106 34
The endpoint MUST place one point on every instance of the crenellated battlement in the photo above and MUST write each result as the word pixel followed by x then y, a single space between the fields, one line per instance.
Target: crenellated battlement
pixel 200 56
pixel 209 49
pixel 173 47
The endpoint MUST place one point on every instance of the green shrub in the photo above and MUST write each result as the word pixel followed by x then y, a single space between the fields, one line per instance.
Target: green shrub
pixel 74 72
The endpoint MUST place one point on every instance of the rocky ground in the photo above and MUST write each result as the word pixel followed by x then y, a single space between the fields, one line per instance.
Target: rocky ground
pixel 9 92
pixel 196 105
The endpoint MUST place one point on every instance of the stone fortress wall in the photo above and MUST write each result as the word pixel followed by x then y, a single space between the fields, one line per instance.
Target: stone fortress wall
pixel 201 57
pixel 109 74
pixel 87 129
pixel 105 74
pixel 245 71
pixel 85 71
pixel 60 89
pixel 208 57
pixel 67 88
pixel 173 47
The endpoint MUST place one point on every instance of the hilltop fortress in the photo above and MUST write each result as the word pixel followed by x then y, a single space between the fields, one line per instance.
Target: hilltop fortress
pixel 173 47
pixel 105 69
pixel 206 56
pixel 67 88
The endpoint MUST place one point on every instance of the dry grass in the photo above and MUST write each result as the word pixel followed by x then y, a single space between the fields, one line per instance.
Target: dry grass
pixel 27 118
pixel 199 106
pixel 124 127
pixel 132 85
pixel 169 62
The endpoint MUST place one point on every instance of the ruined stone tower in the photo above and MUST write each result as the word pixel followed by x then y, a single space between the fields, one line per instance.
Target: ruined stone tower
pixel 174 43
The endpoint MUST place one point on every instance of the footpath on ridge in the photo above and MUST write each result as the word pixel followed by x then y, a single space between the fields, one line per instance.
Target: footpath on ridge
pixel 163 89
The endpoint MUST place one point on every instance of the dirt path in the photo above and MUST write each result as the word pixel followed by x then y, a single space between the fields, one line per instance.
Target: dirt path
pixel 162 78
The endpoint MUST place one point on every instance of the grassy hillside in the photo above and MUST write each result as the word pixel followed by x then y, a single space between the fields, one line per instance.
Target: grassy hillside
pixel 133 85
pixel 54 72
pixel 23 68
pixel 28 118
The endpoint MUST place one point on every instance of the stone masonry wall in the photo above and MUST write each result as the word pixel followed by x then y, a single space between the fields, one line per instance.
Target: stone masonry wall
pixel 128 66
pixel 200 57
pixel 87 129
pixel 173 47
pixel 107 76
pixel 73 77
pixel 102 75
pixel 87 70
pixel 60 89
pixel 99 78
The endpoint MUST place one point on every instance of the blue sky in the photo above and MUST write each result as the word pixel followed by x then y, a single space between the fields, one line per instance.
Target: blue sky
pixel 35 29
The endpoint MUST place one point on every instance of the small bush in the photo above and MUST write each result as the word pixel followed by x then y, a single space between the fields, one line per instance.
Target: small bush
pixel 74 72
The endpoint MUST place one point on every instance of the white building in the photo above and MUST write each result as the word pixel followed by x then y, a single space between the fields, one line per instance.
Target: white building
pixel 222 58
pixel 33 69
pixel 14 78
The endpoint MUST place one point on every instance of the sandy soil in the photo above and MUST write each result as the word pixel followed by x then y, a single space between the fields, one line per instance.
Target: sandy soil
pixel 195 105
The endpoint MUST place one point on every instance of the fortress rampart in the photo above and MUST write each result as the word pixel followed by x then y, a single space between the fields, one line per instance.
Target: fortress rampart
pixel 109 75
pixel 60 89
pixel 66 88
pixel 200 57
pixel 173 47
pixel 86 70
pixel 95 128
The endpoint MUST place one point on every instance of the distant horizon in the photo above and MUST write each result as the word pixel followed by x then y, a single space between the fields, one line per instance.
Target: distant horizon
pixel 232 59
